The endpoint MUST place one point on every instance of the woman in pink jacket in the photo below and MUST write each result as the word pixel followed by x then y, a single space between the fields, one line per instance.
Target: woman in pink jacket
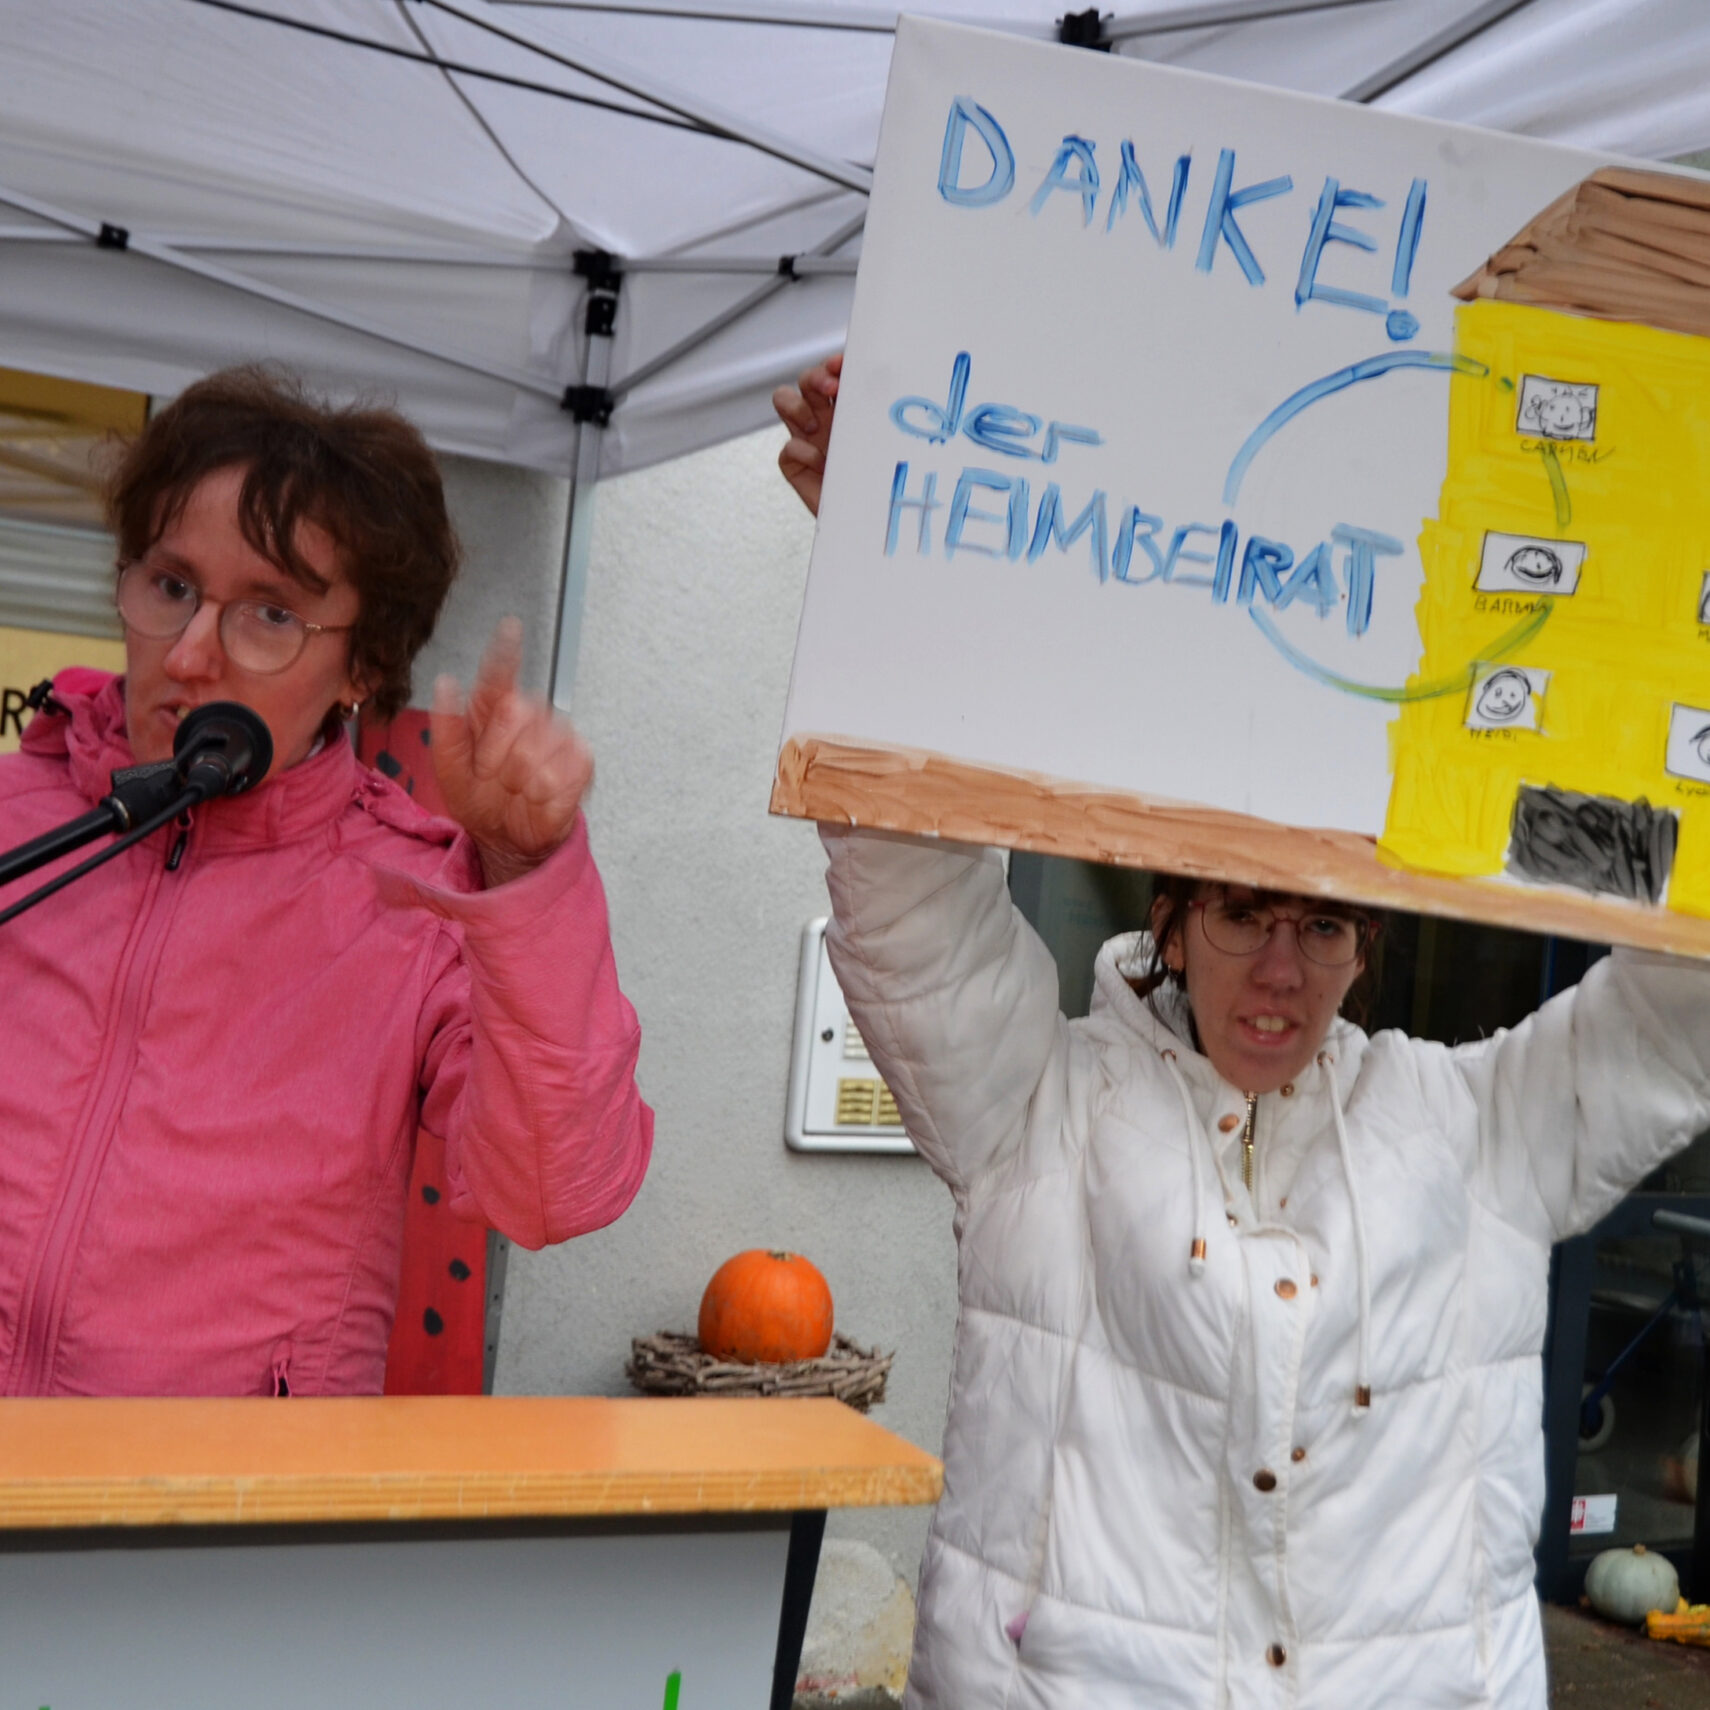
pixel 220 1046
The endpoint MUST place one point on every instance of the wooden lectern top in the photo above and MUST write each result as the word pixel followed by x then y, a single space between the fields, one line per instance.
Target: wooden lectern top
pixel 70 1463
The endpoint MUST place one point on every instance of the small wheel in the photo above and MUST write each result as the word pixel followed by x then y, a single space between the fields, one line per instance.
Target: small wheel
pixel 1591 1441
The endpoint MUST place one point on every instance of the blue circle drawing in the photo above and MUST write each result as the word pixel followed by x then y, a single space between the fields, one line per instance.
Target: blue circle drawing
pixel 1401 324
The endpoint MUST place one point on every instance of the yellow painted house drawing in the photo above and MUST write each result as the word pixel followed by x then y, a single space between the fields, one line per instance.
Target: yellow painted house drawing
pixel 1558 728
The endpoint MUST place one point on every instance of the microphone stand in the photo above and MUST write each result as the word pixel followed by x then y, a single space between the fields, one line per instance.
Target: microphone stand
pixel 139 792
pixel 185 799
pixel 220 749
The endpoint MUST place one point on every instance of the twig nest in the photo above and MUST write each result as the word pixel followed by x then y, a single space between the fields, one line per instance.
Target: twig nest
pixel 672 1363
pixel 1626 1585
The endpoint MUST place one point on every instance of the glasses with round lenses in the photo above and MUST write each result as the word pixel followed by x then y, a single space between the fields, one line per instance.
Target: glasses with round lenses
pixel 257 635
pixel 1244 927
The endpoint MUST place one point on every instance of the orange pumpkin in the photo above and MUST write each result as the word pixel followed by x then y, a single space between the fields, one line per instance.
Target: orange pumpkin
pixel 766 1305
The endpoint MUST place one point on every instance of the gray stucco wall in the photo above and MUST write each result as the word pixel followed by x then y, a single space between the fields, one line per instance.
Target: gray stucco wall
pixel 694 587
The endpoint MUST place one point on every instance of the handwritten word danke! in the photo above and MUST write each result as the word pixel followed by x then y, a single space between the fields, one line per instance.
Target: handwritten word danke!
pixel 1141 548
pixel 976 170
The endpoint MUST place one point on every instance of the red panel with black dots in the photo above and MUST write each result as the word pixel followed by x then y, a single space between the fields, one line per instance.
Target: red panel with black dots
pixel 439 1337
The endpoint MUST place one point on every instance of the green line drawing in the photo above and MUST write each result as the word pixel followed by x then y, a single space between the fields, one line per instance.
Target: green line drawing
pixel 1510 641
pixel 1558 484
pixel 673 1685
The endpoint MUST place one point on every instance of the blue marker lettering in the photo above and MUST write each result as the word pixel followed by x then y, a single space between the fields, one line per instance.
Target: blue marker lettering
pixel 1092 521
pixel 1327 229
pixel 1402 323
pixel 1062 432
pixel 926 504
pixel 1132 178
pixel 943 419
pixel 1079 151
pixel 999 428
pixel 1220 217
pixel 1225 561
pixel 1263 565
pixel 962 512
pixel 1128 536
pixel 1312 581
pixel 999 182
pixel 1178 554
pixel 1358 569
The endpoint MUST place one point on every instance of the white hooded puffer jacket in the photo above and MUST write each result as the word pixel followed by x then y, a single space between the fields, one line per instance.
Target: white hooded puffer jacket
pixel 1159 1489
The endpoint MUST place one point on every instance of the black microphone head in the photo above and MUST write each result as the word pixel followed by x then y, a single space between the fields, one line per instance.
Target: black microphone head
pixel 224 747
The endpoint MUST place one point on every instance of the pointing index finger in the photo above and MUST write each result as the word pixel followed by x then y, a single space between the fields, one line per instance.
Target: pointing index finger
pixel 497 676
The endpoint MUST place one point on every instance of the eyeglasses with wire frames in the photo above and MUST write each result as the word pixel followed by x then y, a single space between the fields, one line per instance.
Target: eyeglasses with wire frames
pixel 1331 936
pixel 259 636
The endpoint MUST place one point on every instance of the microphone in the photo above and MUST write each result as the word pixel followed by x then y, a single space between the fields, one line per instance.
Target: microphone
pixel 221 749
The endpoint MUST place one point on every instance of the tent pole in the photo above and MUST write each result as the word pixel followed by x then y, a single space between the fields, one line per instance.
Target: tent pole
pixel 112 237
pixel 702 113
pixel 1203 14
pixel 802 266
pixel 735 312
pixel 591 404
pixel 517 262
pixel 573 574
pixel 1432 49
pixel 446 66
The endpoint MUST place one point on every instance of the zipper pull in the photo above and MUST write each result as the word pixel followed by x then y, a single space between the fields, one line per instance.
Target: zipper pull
pixel 176 854
pixel 1247 1140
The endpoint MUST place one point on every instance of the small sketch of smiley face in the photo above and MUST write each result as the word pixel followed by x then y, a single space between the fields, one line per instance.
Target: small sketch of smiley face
pixel 1535 564
pixel 1503 695
pixel 1701 747
pixel 1557 410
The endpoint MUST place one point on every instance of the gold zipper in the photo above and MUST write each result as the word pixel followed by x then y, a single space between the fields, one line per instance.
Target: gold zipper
pixel 1247 1140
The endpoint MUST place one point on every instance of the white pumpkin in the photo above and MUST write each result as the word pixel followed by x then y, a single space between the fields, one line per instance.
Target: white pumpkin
pixel 1626 1585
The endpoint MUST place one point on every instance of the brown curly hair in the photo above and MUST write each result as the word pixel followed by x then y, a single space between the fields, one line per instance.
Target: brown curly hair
pixel 361 473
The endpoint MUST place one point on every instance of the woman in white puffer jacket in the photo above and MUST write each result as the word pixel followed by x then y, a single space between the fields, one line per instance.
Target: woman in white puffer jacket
pixel 1247 1395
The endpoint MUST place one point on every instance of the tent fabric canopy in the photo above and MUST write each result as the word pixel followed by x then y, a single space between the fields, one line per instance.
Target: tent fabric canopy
pixel 389 195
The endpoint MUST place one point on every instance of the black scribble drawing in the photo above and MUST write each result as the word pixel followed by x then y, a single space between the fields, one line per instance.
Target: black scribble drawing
pixel 1593 843
pixel 1503 695
pixel 1537 564
pixel 1701 746
pixel 1704 599
pixel 1557 409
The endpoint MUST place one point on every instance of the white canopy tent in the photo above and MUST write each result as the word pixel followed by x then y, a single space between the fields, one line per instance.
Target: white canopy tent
pixel 586 235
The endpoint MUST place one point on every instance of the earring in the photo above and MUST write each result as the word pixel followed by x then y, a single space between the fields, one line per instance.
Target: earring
pixel 347 713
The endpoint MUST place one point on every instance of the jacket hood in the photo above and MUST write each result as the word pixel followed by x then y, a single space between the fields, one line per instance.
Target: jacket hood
pixel 84 722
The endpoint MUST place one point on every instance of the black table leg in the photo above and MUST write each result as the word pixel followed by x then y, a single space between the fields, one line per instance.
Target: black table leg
pixel 1564 1366
pixel 800 1567
pixel 1698 1574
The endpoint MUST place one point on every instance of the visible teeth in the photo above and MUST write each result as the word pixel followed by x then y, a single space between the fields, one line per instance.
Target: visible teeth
pixel 1270 1023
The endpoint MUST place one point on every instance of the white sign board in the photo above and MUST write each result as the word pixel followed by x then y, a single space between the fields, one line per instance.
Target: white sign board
pixel 1141 478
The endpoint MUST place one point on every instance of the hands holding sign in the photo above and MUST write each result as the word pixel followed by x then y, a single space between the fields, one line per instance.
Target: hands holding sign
pixel 512 773
pixel 806 409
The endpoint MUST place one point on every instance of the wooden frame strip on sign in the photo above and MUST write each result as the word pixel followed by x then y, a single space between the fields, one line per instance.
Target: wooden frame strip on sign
pixel 913 790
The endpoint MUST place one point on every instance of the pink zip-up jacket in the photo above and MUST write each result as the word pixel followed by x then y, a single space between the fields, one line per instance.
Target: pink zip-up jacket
pixel 212 1072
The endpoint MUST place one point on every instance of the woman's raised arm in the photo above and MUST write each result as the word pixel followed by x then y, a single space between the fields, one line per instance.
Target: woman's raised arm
pixel 953 992
pixel 1585 1098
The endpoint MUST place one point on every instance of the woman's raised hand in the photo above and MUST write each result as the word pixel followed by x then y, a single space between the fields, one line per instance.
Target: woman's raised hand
pixel 512 773
pixel 806 410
